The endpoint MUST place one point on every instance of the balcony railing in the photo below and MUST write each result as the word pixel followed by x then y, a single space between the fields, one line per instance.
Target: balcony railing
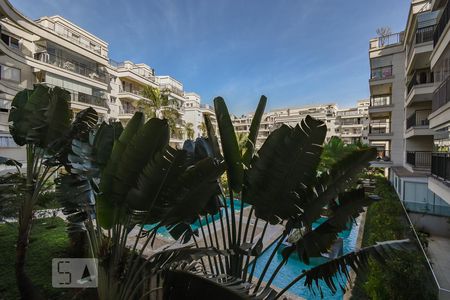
pixel 420 77
pixel 424 34
pixel 133 69
pixel 440 165
pixel 172 89
pixel 388 40
pixel 127 110
pixel 419 158
pixel 71 65
pixel 381 73
pixel 442 23
pixel 379 127
pixel 441 95
pixel 384 155
pixel 85 98
pixel 380 100
pixel 418 118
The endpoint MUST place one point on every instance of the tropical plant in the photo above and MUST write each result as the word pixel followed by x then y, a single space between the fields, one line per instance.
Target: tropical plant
pixel 283 186
pixel 335 150
pixel 203 129
pixel 145 181
pixel 189 127
pixel 158 104
pixel 40 120
pixel 241 138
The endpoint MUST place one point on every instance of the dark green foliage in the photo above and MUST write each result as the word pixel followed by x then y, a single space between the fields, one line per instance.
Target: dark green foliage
pixel 254 130
pixel 403 276
pixel 287 161
pixel 230 148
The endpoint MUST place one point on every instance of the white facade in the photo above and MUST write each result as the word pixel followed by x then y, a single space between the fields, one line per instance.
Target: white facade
pixel 54 51
pixel 348 124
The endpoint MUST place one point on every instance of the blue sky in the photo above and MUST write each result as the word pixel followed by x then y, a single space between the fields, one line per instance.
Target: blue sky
pixel 294 52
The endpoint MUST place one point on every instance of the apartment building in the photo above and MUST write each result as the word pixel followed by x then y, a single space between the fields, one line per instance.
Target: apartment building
pixel 194 112
pixel 54 51
pixel 409 122
pixel 403 85
pixel 348 124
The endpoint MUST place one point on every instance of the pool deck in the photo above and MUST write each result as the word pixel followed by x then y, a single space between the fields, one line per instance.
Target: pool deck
pixel 161 243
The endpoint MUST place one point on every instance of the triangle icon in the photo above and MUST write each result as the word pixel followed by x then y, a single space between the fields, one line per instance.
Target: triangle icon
pixel 86 274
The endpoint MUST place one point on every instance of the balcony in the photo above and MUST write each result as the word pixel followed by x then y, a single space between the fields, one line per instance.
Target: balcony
pixel 418 118
pixel 425 34
pixel 419 159
pixel 382 100
pixel 442 23
pixel 420 77
pixel 172 89
pixel 381 73
pixel 89 99
pixel 388 40
pixel 441 95
pixel 380 127
pixel 71 65
pixel 440 165
pixel 140 70
pixel 383 155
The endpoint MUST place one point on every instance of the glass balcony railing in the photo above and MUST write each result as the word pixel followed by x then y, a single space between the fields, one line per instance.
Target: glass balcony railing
pixel 418 118
pixel 71 65
pixel 420 77
pixel 427 208
pixel 419 158
pixel 380 127
pixel 381 73
pixel 381 100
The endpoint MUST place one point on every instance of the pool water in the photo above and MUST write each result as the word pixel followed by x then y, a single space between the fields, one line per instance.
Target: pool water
pixel 294 267
pixel 197 224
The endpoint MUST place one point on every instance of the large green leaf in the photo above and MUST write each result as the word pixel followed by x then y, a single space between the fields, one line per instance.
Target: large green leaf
pixel 286 162
pixel 105 204
pixel 187 285
pixel 104 139
pixel 19 117
pixel 341 266
pixel 347 207
pixel 212 138
pixel 327 187
pixel 235 170
pixel 254 130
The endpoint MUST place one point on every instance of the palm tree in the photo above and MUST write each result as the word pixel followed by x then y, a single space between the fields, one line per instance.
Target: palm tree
pixel 189 127
pixel 203 129
pixel 158 104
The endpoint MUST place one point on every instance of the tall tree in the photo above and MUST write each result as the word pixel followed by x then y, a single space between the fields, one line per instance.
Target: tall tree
pixel 189 127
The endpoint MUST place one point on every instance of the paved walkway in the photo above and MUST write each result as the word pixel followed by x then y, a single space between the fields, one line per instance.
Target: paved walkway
pixel 439 254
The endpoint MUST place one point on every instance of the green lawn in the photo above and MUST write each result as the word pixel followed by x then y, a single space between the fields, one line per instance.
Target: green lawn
pixel 48 240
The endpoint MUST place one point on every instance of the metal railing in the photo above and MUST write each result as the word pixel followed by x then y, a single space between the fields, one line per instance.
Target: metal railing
pixel 389 40
pixel 383 154
pixel 442 23
pixel 420 77
pixel 440 165
pixel 172 89
pixel 418 118
pixel 419 158
pixel 381 100
pixel 441 94
pixel 76 96
pixel 380 127
pixel 425 34
pixel 71 65
pixel 135 69
pixel 381 73
pixel 127 110
pixel 96 49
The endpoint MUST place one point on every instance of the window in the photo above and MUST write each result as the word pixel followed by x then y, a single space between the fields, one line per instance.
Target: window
pixel 9 73
pixel 7 142
pixel 10 41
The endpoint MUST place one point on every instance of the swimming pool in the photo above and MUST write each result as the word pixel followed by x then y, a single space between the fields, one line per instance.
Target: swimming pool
pixel 197 224
pixel 294 267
